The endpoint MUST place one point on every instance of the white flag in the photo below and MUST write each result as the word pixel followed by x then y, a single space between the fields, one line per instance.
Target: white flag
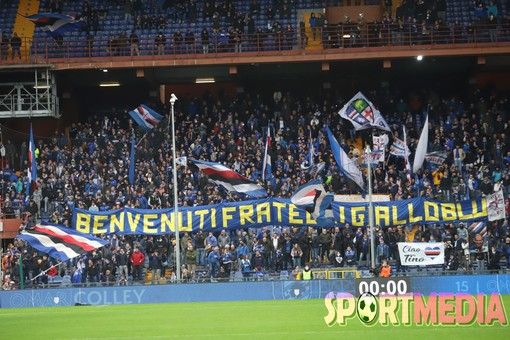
pixel 496 206
pixel 362 114
pixel 421 149
pixel 181 161
pixel 406 158
pixel 380 143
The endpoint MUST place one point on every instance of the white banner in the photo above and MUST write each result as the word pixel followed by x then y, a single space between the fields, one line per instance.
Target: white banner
pixel 496 206
pixel 380 143
pixel 420 254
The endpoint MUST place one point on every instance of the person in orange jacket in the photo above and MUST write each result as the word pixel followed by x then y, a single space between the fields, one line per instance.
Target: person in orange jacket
pixel 385 269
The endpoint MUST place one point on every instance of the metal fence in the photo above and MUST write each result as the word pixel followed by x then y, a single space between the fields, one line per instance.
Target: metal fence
pixel 332 39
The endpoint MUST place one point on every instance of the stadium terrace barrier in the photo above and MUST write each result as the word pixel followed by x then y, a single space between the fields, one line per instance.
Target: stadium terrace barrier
pixel 334 39
pixel 246 291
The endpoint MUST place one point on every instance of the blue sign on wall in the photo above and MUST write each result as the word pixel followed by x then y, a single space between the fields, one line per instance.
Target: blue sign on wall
pixel 238 291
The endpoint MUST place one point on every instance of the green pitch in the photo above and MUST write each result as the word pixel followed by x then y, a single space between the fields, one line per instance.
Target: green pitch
pixel 303 319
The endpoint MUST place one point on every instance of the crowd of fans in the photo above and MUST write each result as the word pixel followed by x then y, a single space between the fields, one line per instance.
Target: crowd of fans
pixel 88 169
pixel 227 28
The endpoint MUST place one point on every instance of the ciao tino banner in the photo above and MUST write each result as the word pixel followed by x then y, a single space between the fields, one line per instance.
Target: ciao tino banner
pixel 412 254
pixel 274 212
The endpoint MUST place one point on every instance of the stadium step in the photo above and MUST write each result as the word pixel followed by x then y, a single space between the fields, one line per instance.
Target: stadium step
pixel 24 27
pixel 312 44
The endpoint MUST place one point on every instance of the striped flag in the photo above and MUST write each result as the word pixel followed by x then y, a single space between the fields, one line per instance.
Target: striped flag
pixel 304 196
pixel 313 198
pixel 436 158
pixel 145 117
pixel 399 148
pixel 60 242
pixel 55 24
pixel 266 166
pixel 229 179
pixel 32 165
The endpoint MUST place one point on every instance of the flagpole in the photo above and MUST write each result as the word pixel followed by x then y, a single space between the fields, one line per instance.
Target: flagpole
pixel 368 152
pixel 141 139
pixel 21 273
pixel 173 98
pixel 45 271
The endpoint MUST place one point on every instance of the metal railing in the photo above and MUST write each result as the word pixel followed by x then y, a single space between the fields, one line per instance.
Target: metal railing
pixel 332 39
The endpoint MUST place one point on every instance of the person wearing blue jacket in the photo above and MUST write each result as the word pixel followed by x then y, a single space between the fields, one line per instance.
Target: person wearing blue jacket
pixel 214 263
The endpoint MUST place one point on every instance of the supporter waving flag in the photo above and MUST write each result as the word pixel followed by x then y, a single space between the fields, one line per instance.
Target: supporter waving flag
pixel 55 24
pixel 60 242
pixel 229 179
pixel 146 117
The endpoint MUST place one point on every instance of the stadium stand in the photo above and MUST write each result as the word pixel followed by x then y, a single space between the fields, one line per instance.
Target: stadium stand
pixel 86 166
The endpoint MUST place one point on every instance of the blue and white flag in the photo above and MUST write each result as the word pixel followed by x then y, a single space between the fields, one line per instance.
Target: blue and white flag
pixel 60 242
pixel 347 166
pixel 399 148
pixel 304 196
pixel 436 158
pixel 55 24
pixel 376 157
pixel 313 198
pixel 362 114
pixel 229 179
pixel 145 117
